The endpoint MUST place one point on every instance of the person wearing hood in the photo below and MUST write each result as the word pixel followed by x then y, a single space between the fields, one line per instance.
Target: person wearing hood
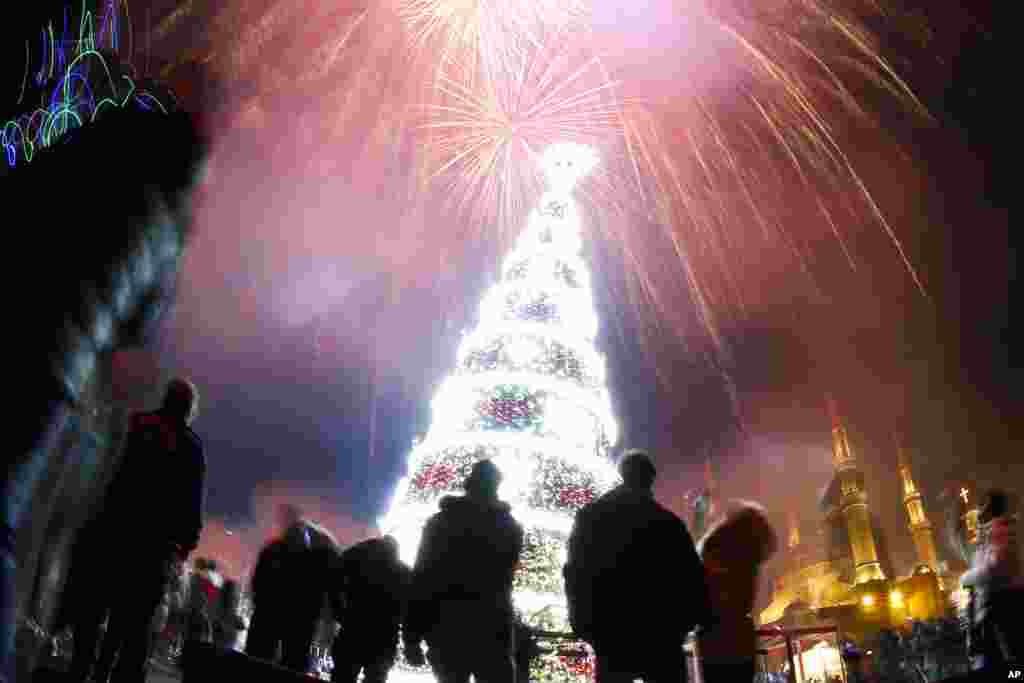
pixel 289 589
pixel 995 584
pixel 733 551
pixel 462 585
pixel 634 582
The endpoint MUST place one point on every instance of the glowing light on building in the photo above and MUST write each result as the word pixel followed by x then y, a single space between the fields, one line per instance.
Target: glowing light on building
pixel 820 663
pixel 960 598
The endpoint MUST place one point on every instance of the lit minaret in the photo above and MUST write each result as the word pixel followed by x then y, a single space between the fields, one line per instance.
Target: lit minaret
pixel 853 504
pixel 794 532
pixel 920 527
pixel 796 549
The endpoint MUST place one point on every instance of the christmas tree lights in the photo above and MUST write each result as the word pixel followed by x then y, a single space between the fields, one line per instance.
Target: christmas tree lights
pixel 528 392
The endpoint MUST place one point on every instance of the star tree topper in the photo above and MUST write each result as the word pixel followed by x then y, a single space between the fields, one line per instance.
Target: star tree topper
pixel 566 163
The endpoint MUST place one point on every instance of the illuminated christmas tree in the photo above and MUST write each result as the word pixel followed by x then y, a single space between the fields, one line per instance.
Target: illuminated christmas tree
pixel 528 392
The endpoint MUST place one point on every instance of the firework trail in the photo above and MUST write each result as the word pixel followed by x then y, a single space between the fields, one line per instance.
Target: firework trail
pixel 715 132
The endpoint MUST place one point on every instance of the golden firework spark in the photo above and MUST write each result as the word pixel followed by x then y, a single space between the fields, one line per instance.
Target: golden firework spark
pixel 714 180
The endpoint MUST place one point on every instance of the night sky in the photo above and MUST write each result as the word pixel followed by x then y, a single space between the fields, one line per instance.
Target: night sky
pixel 317 331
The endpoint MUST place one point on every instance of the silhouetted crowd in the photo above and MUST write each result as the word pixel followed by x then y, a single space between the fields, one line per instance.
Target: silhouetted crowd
pixel 631 564
pixel 637 585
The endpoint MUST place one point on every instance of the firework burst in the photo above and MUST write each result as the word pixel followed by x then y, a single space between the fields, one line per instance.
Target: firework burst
pixel 724 134
pixel 484 144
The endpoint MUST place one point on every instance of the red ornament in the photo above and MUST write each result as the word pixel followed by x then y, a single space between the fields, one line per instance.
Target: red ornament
pixel 579 663
pixel 436 476
pixel 575 496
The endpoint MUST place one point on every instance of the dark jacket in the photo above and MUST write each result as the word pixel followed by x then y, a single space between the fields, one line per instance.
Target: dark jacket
pixel 469 552
pixel 631 562
pixel 375 585
pixel 267 575
pixel 733 551
pixel 160 479
pixel 292 573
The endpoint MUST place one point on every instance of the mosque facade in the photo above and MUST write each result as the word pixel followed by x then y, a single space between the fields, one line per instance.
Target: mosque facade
pixel 840 573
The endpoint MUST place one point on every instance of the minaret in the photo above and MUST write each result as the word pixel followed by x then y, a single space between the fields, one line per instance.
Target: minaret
pixel 794 532
pixel 794 547
pixel 920 527
pixel 853 504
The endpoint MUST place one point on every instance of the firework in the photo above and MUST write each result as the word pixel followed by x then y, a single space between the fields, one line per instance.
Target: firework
pixel 724 134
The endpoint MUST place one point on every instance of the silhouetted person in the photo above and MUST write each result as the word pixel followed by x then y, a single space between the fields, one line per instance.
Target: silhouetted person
pixel 995 585
pixel 154 511
pixel 203 599
pixel 84 292
pixel 462 585
pixel 376 586
pixel 229 624
pixel 289 591
pixel 733 550
pixel 634 583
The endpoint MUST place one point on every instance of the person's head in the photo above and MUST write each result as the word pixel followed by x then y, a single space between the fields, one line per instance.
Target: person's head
pixel 751 520
pixel 181 400
pixel 386 548
pixel 996 503
pixel 298 535
pixel 390 544
pixel 637 470
pixel 483 479
pixel 288 515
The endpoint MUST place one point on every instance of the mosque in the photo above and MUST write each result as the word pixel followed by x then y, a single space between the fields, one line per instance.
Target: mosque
pixel 841 575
